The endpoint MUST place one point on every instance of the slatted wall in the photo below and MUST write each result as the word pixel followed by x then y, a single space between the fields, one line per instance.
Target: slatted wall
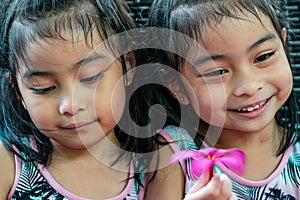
pixel 140 9
pixel 292 8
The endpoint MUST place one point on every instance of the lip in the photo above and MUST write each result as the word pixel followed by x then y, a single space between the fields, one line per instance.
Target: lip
pixel 253 110
pixel 77 126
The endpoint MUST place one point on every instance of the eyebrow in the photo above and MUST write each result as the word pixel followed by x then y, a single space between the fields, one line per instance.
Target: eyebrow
pixel 91 57
pixel 204 59
pixel 265 38
pixel 32 73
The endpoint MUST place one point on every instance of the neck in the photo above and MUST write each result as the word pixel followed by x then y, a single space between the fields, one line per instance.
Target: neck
pixel 106 151
pixel 101 174
pixel 260 148
pixel 265 139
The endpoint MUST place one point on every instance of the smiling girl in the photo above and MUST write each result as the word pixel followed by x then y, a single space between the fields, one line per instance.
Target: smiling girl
pixel 63 92
pixel 240 85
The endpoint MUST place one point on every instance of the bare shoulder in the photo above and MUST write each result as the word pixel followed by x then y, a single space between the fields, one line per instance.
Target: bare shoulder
pixel 7 168
pixel 169 179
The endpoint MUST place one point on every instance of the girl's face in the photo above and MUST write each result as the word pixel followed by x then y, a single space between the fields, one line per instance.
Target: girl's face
pixel 245 79
pixel 73 93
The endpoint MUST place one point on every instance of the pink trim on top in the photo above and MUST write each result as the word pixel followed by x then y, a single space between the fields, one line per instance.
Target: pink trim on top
pixel 18 167
pixel 250 183
pixel 70 195
pixel 173 145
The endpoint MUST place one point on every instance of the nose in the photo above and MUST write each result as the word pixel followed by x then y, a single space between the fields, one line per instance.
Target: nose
pixel 71 103
pixel 247 83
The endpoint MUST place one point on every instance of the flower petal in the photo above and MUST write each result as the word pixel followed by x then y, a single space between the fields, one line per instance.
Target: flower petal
pixel 232 152
pixel 200 166
pixel 233 163
pixel 203 160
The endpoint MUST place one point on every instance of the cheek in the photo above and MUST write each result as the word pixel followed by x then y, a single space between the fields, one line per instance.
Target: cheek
pixel 109 104
pixel 287 87
pixel 289 77
pixel 289 81
pixel 210 103
pixel 39 112
pixel 118 102
pixel 284 81
pixel 41 116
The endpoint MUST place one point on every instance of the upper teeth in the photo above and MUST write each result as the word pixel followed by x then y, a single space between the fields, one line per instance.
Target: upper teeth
pixel 249 109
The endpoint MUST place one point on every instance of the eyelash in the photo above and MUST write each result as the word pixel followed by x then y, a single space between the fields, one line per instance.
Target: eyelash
pixel 264 57
pixel 92 79
pixel 217 72
pixel 88 80
pixel 43 90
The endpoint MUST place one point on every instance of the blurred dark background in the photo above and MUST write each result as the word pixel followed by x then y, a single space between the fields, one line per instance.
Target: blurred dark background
pixel 292 7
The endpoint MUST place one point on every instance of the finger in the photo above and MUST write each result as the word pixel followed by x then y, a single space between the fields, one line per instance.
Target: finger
pixel 233 197
pixel 226 186
pixel 201 182
pixel 210 191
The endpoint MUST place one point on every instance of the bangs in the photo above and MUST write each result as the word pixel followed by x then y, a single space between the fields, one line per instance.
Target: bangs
pixel 73 24
pixel 193 18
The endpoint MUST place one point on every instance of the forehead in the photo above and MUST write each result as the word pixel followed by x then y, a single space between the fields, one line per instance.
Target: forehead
pixel 232 38
pixel 247 28
pixel 60 50
pixel 55 52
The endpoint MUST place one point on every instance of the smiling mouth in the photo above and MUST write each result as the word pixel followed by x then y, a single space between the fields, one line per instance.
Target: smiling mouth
pixel 77 126
pixel 252 108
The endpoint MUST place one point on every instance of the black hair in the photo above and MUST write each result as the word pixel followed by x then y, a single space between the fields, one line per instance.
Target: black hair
pixel 191 17
pixel 26 21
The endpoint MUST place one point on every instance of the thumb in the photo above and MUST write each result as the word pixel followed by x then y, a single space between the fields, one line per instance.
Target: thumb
pixel 200 183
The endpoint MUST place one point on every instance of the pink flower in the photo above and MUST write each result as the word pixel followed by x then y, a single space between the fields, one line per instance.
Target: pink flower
pixel 202 161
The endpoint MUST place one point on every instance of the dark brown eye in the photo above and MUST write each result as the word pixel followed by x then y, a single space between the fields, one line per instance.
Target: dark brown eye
pixel 217 72
pixel 264 57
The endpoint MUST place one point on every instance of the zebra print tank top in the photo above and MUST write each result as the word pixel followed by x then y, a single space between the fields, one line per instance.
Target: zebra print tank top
pixel 282 184
pixel 33 181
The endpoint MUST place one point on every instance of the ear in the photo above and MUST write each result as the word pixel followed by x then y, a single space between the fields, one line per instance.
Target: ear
pixel 174 85
pixel 130 63
pixel 284 34
pixel 7 75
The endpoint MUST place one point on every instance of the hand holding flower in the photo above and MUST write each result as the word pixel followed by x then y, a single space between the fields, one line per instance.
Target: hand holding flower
pixel 204 160
pixel 200 166
pixel 217 187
